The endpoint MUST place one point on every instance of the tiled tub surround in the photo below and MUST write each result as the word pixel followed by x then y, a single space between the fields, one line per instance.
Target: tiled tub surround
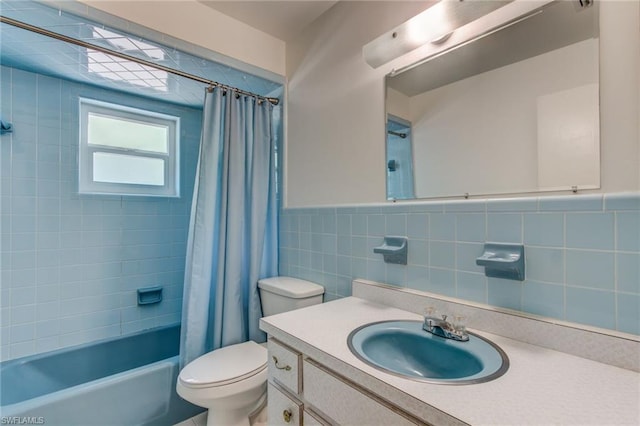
pixel 71 263
pixel 582 252
pixel 542 386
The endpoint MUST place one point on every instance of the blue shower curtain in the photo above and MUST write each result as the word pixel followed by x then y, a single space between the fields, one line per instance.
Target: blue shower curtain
pixel 232 238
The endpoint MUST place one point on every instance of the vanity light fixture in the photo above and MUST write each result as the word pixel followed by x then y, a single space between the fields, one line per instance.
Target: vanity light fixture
pixel 435 25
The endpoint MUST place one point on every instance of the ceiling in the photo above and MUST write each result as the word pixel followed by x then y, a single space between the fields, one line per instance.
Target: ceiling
pixel 281 19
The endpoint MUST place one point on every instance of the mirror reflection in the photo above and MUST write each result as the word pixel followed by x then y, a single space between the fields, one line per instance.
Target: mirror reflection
pixel 515 111
pixel 400 159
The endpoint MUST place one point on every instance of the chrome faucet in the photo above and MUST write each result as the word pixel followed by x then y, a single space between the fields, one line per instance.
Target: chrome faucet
pixel 443 328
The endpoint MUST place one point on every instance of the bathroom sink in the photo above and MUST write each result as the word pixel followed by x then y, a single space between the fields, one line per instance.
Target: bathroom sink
pixel 404 349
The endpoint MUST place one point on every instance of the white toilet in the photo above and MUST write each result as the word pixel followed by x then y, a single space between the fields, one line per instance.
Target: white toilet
pixel 231 382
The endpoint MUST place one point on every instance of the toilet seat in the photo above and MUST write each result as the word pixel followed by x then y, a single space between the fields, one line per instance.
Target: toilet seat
pixel 224 366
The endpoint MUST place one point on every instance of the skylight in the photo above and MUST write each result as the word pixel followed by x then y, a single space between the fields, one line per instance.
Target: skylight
pixel 118 69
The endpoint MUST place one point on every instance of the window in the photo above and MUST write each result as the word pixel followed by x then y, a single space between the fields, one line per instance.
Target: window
pixel 127 151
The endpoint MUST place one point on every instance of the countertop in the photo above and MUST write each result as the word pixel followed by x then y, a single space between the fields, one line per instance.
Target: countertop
pixel 541 387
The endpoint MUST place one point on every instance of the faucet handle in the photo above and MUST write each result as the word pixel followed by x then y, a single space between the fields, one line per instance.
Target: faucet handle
pixel 430 311
pixel 459 323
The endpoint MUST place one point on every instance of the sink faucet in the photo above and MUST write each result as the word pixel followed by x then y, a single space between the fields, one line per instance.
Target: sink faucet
pixel 443 328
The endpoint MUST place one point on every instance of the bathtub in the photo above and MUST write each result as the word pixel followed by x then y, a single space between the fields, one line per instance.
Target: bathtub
pixel 125 381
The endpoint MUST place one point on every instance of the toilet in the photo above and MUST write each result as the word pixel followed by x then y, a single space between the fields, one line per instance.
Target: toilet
pixel 231 382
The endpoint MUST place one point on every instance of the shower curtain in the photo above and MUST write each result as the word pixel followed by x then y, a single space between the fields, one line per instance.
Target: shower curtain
pixel 232 238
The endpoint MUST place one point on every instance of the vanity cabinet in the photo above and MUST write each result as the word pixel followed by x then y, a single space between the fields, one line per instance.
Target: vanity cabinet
pixel 312 419
pixel 283 409
pixel 334 387
pixel 345 403
pixel 304 392
pixel 284 366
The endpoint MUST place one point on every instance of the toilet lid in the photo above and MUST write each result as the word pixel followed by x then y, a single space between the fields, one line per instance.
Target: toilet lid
pixel 225 365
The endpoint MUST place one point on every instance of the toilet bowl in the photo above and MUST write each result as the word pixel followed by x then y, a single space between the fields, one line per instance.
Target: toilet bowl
pixel 231 382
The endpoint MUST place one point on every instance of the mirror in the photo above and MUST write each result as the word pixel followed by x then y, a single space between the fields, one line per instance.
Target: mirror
pixel 512 111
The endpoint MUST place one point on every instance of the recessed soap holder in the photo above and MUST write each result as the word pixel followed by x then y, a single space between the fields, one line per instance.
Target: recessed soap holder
pixel 149 295
pixel 394 250
pixel 503 261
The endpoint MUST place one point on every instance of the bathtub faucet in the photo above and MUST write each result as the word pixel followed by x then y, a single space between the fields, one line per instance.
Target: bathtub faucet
pixel 443 328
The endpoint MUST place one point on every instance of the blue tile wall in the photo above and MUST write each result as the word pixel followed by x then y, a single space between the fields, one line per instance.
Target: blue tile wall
pixel 71 263
pixel 582 252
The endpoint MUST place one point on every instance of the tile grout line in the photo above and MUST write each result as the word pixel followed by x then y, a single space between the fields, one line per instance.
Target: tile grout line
pixel 615 272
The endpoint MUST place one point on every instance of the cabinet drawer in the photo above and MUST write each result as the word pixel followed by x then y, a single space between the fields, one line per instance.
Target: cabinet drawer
pixel 312 419
pixel 344 403
pixel 282 409
pixel 284 366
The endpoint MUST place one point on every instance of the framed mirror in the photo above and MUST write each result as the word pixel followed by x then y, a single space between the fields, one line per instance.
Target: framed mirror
pixel 513 110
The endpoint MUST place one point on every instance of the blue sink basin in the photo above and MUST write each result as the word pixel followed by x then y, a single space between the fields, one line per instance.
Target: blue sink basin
pixel 403 348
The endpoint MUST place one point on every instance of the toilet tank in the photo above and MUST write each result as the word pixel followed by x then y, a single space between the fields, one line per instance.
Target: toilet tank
pixel 281 294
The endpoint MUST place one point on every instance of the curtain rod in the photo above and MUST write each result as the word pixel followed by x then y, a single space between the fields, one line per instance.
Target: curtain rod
pixel 62 37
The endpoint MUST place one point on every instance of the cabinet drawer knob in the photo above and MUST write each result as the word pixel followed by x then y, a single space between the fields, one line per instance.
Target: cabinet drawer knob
pixel 285 368
pixel 286 415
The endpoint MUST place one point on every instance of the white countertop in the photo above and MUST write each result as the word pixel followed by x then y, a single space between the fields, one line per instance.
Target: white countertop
pixel 541 387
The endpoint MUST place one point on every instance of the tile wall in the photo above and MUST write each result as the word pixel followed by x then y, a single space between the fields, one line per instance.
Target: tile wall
pixel 582 252
pixel 71 263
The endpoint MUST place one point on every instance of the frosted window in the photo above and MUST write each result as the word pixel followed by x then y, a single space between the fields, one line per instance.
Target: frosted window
pixel 129 169
pixel 128 151
pixel 127 134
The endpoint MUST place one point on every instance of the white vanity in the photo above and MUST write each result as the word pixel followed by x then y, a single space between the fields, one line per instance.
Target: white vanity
pixel 315 379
